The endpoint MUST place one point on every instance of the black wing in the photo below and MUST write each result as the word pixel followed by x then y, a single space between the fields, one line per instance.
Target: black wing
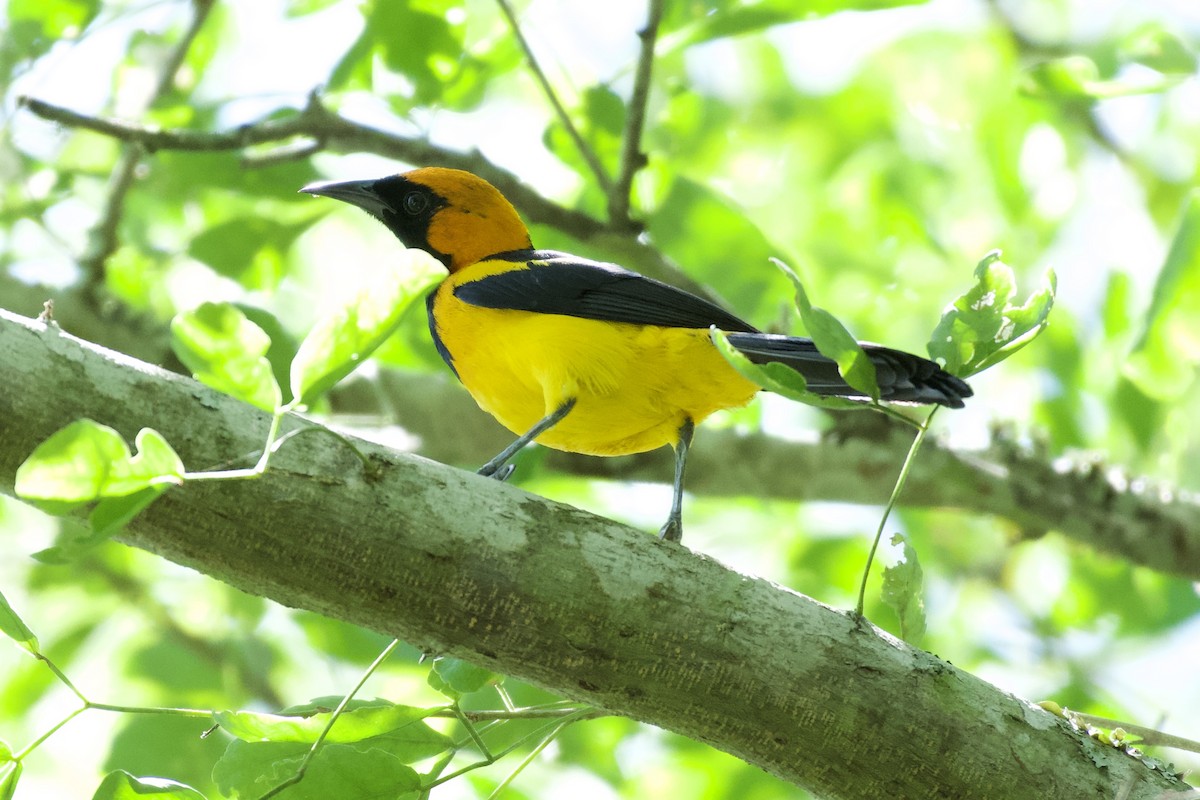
pixel 558 283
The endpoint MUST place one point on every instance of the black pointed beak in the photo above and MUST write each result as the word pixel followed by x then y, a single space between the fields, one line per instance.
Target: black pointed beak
pixel 357 193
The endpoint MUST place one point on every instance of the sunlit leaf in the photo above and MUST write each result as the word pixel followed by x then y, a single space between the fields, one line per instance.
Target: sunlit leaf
pixel 455 677
pixel 1163 364
pixel 233 247
pixel 1159 49
pixel 86 461
pixel 833 340
pixel 902 591
pixel 10 773
pixel 57 18
pixel 106 520
pixel 226 351
pixel 120 785
pixel 1078 78
pixel 361 720
pixel 778 378
pixel 250 769
pixel 982 327
pixel 741 18
pixel 368 747
pixel 718 235
pixel 341 341
pixel 299 8
pixel 15 628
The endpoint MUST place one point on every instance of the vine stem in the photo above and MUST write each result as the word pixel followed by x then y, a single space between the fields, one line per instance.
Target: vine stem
pixel 901 479
pixel 333 718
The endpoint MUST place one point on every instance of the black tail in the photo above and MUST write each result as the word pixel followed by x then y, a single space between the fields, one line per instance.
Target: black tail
pixel 902 377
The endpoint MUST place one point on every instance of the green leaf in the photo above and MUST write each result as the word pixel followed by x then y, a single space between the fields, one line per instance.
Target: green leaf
pixel 340 342
pixel 58 18
pixel 1159 49
pixel 455 677
pixel 833 340
pixel 15 628
pixel 6 753
pixel 1077 77
pixel 113 513
pixel 299 8
pixel 982 327
pixel 778 378
pixel 250 769
pixel 600 120
pixel 10 773
pixel 120 785
pixel 86 461
pixel 398 728
pixel 107 519
pixel 245 248
pixel 750 16
pixel 226 351
pixel 719 233
pixel 902 583
pixel 1163 363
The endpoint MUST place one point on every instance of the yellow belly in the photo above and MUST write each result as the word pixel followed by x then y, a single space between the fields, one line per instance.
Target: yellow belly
pixel 634 385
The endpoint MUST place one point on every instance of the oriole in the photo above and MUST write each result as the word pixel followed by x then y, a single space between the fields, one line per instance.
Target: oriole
pixel 584 356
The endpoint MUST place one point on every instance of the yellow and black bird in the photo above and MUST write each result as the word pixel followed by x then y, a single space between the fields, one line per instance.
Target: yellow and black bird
pixel 584 356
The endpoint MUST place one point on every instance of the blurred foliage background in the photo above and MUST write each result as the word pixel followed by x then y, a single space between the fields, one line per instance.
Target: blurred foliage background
pixel 881 151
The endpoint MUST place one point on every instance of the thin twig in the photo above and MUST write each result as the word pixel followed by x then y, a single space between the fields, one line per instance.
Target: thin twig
pixel 333 718
pixel 632 157
pixel 334 133
pixel 102 238
pixel 1149 736
pixel 589 155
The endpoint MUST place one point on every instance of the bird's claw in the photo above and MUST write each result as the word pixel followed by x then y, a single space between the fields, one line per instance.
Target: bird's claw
pixel 500 473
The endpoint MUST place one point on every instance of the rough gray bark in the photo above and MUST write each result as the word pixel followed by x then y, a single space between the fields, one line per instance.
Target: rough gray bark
pixel 1084 499
pixel 587 608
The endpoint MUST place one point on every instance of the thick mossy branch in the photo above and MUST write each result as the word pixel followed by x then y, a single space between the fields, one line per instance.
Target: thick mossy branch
pixel 1089 502
pixel 587 608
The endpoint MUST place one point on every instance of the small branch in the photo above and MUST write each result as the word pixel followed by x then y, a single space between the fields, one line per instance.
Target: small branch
pixel 322 129
pixel 632 157
pixel 1149 736
pixel 102 238
pixel 589 155
pixel 1094 504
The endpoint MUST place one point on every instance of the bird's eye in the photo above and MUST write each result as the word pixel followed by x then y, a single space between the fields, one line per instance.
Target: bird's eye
pixel 415 203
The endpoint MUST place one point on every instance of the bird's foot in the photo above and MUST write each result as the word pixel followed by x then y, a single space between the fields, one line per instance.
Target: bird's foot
pixel 672 530
pixel 499 472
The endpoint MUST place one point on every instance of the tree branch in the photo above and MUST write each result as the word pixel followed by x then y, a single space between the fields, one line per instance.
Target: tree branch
pixel 465 566
pixel 1082 499
pixel 102 238
pixel 581 144
pixel 632 158
pixel 320 127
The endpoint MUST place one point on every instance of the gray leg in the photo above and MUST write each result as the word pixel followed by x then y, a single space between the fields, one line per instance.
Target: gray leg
pixel 672 529
pixel 496 467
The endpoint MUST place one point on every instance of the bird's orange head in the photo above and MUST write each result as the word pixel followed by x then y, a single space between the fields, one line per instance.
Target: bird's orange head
pixel 456 217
